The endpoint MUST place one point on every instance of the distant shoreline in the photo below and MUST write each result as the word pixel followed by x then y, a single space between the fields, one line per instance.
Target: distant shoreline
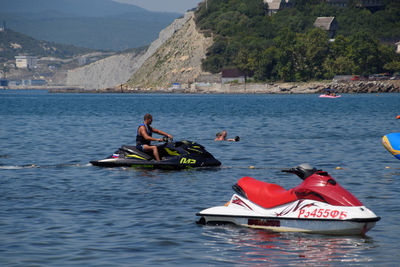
pixel 350 87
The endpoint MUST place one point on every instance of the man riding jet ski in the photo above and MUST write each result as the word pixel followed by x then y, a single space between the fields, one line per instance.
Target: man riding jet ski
pixel 318 205
pixel 170 155
pixel 174 155
pixel 145 136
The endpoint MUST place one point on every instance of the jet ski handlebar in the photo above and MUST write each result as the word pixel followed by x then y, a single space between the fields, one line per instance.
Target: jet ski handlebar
pixel 303 170
pixel 166 139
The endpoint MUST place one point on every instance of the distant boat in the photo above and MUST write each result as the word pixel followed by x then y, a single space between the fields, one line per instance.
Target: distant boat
pixel 330 93
pixel 330 96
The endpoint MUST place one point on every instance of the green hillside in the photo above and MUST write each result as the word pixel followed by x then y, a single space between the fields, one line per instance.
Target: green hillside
pixel 286 46
pixel 13 43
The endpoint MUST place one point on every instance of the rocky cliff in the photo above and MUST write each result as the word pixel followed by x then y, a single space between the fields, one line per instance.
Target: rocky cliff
pixel 177 60
pixel 107 72
pixel 117 69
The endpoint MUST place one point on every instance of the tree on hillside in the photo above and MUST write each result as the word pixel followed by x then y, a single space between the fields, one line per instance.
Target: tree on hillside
pixel 287 47
pixel 267 60
pixel 285 66
pixel 312 49
pixel 363 51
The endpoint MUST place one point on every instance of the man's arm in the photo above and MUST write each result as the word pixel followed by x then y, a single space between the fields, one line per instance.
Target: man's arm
pixel 162 133
pixel 143 132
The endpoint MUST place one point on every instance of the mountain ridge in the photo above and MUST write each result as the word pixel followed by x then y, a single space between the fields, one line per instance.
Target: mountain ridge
pixel 100 24
pixel 14 43
pixel 94 8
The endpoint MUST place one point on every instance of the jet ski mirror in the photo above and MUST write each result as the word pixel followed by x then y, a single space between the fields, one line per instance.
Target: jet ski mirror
pixel 303 170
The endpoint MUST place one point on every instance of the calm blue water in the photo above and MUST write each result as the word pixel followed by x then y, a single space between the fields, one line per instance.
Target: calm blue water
pixel 58 210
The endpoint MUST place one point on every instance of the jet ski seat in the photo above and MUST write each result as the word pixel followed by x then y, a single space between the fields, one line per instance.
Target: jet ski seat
pixel 135 151
pixel 265 194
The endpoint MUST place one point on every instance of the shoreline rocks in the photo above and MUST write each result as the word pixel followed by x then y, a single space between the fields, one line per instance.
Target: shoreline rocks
pixel 359 87
pixel 388 86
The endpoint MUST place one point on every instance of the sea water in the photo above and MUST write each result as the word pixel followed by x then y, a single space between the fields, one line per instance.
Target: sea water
pixel 58 210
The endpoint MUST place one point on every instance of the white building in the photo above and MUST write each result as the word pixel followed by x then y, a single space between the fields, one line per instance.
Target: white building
pixel 82 61
pixel 25 62
pixel 3 27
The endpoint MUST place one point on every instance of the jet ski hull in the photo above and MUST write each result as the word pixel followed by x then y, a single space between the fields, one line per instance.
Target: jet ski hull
pixel 300 226
pixel 307 216
pixel 178 163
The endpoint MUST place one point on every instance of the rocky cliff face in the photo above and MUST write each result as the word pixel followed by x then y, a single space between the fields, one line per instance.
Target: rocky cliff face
pixel 104 73
pixel 176 60
pixel 115 70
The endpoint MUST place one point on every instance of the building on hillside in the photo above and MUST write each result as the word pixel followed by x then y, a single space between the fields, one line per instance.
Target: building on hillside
pixel 3 27
pixel 360 3
pixel 328 24
pixel 339 3
pixel 176 86
pixel 26 62
pixel 398 47
pixel 82 60
pixel 232 75
pixel 372 3
pixel 274 6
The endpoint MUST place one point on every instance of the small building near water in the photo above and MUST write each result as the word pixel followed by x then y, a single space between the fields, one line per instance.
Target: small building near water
pixel 232 75
pixel 176 86
pixel 4 82
pixel 27 83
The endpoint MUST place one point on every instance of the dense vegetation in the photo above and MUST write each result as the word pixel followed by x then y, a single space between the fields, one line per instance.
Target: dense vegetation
pixel 287 47
pixel 13 44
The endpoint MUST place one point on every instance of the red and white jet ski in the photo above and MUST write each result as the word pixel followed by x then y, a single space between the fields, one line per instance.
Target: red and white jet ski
pixel 318 205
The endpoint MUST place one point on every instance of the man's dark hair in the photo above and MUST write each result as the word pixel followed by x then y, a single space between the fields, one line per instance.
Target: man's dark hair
pixel 147 116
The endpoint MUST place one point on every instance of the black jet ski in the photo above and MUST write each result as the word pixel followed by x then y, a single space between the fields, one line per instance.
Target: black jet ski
pixel 174 155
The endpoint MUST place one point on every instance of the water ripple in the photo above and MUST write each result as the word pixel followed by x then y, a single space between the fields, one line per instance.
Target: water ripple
pixel 59 210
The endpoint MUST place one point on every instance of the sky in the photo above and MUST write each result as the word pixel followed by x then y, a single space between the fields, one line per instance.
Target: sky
pixel 179 6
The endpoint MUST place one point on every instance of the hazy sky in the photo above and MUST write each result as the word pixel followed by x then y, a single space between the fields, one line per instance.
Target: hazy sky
pixel 179 6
